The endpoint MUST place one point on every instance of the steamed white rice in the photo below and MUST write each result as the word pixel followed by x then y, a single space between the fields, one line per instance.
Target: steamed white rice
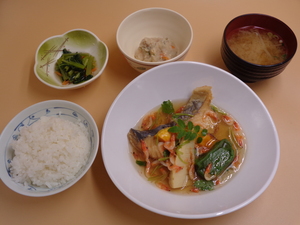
pixel 50 152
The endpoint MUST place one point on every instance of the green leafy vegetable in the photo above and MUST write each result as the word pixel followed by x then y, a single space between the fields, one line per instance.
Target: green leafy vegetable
pixel 167 107
pixel 219 157
pixel 75 67
pixel 204 185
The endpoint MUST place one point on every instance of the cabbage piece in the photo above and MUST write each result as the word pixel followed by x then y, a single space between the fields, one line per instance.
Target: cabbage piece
pixel 179 179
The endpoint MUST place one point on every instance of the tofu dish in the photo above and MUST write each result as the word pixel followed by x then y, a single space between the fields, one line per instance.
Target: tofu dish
pixel 156 50
pixel 188 146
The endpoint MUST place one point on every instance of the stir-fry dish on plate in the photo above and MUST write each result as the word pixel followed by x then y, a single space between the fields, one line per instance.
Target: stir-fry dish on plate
pixel 188 146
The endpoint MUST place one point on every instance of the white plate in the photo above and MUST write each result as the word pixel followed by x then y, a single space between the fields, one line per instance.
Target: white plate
pixel 176 81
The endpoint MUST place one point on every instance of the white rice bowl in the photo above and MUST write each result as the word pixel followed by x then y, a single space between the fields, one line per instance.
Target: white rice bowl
pixel 50 152
pixel 47 148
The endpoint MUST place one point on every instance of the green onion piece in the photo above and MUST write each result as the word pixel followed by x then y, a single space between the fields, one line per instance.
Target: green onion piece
pixel 155 169
pixel 179 153
pixel 163 159
pixel 141 163
pixel 216 109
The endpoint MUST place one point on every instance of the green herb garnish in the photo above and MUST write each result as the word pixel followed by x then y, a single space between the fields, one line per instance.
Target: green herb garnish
pixel 186 132
pixel 204 132
pixel 167 107
pixel 199 140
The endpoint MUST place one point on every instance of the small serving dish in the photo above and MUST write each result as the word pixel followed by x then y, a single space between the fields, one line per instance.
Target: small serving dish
pixel 153 23
pixel 77 40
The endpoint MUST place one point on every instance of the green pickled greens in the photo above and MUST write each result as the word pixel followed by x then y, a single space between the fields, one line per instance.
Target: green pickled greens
pixel 74 67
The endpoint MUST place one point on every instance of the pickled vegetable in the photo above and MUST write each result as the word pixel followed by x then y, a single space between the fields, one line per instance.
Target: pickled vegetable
pixel 75 67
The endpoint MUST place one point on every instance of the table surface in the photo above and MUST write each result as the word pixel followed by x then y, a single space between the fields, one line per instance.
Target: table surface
pixel 95 199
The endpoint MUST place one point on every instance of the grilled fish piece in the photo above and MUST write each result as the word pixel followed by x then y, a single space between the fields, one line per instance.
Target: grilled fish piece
pixel 135 137
pixel 198 104
pixel 200 99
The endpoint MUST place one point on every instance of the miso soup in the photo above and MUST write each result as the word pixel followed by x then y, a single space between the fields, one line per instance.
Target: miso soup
pixel 257 45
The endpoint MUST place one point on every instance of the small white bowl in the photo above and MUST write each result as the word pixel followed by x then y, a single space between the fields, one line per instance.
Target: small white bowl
pixel 176 81
pixel 66 110
pixel 77 40
pixel 153 22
